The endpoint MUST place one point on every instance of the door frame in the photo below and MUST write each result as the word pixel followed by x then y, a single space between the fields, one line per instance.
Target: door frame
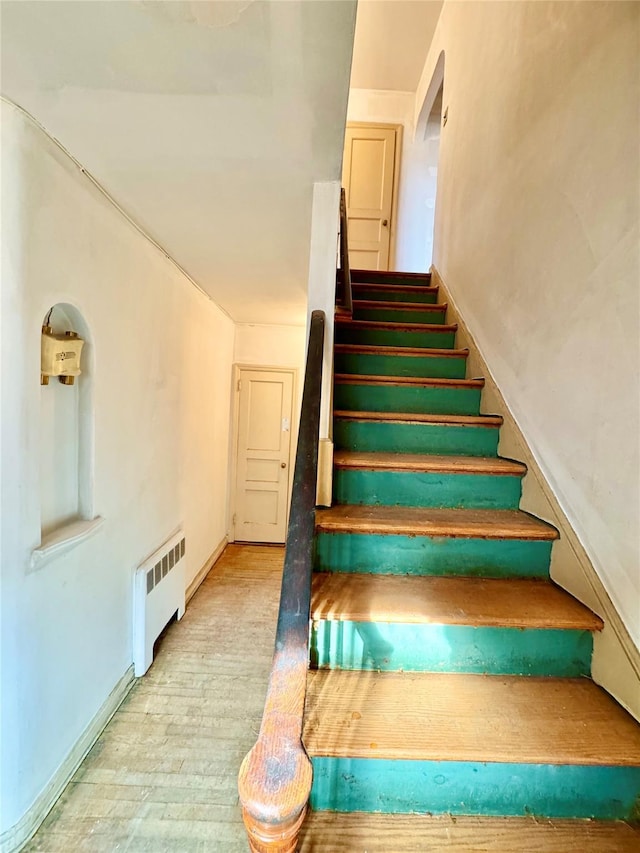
pixel 236 370
pixel 399 130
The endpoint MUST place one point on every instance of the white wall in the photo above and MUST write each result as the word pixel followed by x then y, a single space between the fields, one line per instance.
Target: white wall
pixel 273 346
pixel 277 346
pixel 161 369
pixel 413 230
pixel 537 236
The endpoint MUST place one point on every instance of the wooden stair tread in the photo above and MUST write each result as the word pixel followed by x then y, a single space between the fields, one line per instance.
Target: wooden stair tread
pixel 394 288
pixel 361 276
pixel 421 418
pixel 369 379
pixel 423 462
pixel 430 521
pixel 459 717
pixel 346 320
pixel 361 832
pixel 432 307
pixel 504 603
pixel 422 352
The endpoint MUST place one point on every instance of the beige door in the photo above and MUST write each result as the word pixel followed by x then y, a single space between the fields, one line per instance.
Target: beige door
pixel 265 399
pixel 368 172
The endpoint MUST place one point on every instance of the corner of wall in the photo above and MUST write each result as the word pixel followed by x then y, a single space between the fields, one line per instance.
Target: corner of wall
pixel 192 588
pixel 616 660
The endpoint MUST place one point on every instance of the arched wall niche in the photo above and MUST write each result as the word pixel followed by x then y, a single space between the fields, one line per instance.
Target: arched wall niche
pixel 66 447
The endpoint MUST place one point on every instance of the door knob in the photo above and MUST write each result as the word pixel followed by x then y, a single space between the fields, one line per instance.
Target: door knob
pixel 283 464
pixel 385 222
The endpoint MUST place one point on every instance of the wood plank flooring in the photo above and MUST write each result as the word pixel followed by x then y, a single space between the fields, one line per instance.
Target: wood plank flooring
pixel 418 521
pixel 400 306
pixel 360 286
pixel 390 324
pixel 459 717
pixel 420 352
pixel 163 776
pixel 422 462
pixel 378 833
pixel 512 603
pixel 369 379
pixel 422 418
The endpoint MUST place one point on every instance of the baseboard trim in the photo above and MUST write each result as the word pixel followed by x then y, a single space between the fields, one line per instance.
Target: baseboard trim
pixel 616 661
pixel 204 571
pixel 17 835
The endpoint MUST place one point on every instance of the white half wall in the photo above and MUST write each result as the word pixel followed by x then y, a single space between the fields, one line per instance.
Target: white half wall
pixel 271 345
pixel 538 236
pixel 413 230
pixel 323 253
pixel 160 368
pixel 323 259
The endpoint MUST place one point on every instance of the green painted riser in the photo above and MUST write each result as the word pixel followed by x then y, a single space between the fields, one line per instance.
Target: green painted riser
pixel 424 555
pixel 393 647
pixel 437 400
pixel 394 338
pixel 398 365
pixel 415 438
pixel 395 296
pixel 416 488
pixel 400 315
pixel 453 787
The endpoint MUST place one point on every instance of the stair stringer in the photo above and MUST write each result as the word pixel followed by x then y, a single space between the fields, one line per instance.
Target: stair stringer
pixel 616 660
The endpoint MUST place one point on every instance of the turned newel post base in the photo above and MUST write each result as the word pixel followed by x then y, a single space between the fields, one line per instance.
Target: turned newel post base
pixel 265 838
pixel 274 784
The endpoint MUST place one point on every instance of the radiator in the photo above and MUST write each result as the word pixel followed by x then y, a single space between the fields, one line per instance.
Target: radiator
pixel 158 595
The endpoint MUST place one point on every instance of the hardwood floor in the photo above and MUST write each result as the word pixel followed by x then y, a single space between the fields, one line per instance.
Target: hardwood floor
pixel 162 778
pixel 377 833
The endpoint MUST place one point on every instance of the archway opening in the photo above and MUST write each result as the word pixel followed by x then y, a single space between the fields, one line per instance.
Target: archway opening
pixel 432 131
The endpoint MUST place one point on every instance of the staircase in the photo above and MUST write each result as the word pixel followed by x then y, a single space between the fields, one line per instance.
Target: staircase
pixel 450 676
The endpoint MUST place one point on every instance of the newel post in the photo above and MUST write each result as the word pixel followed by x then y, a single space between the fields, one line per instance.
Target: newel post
pixel 275 777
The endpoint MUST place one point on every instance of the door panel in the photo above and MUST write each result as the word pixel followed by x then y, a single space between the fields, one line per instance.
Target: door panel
pixel 365 230
pixel 368 162
pixel 262 464
pixel 367 176
pixel 263 470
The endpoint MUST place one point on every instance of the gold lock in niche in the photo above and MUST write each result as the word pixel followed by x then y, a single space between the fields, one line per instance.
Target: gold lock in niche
pixel 60 356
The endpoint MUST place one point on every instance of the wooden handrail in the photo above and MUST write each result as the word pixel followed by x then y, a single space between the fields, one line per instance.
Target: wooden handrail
pixel 275 777
pixel 344 274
